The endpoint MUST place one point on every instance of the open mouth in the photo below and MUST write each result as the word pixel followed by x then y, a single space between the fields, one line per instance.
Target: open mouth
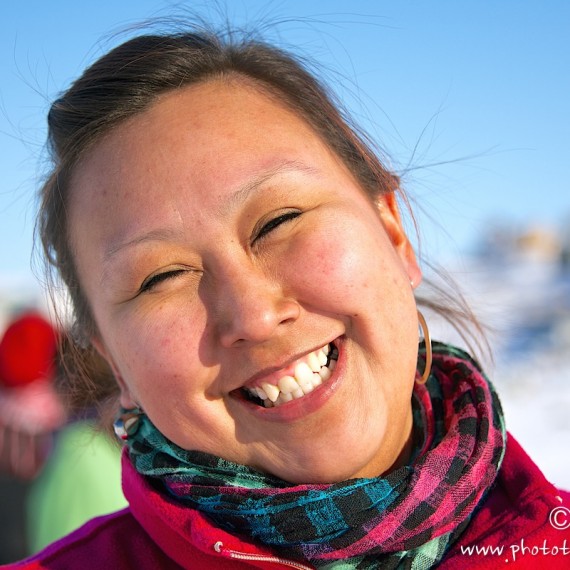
pixel 309 373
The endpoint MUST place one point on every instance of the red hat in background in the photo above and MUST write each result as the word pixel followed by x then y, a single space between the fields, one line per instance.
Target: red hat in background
pixel 27 351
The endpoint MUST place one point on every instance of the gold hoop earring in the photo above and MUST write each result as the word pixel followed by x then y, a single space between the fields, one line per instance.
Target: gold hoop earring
pixel 427 341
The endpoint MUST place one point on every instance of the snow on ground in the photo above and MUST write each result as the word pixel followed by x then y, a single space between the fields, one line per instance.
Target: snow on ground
pixel 527 302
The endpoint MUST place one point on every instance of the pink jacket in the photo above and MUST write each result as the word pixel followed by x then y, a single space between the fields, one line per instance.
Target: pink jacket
pixel 515 526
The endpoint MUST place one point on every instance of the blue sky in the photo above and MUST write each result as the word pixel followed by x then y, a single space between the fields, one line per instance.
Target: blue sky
pixel 480 88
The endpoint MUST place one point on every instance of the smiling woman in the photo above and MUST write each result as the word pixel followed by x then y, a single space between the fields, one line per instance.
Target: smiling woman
pixel 234 250
pixel 230 259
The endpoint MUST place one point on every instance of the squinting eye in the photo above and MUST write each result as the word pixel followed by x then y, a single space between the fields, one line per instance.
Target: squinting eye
pixel 154 280
pixel 275 222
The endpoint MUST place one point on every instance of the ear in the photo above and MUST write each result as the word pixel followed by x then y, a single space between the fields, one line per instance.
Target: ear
pixel 126 399
pixel 390 216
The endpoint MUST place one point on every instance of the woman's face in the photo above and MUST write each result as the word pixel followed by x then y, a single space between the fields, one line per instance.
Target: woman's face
pixel 221 246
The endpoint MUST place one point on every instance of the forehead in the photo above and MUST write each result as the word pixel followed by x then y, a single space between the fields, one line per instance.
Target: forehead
pixel 186 128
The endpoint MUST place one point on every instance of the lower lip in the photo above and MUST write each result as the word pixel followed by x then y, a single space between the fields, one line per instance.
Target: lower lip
pixel 298 409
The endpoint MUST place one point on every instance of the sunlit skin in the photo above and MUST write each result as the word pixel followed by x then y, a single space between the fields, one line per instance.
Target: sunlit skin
pixel 195 296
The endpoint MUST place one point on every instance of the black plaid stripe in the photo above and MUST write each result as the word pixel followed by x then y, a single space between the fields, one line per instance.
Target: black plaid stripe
pixel 421 513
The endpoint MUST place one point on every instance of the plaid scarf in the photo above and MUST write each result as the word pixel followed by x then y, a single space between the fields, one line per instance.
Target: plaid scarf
pixel 405 519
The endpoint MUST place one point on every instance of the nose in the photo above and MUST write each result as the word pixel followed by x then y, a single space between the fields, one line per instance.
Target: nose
pixel 252 307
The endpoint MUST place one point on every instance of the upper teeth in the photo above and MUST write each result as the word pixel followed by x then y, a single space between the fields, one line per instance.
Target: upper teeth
pixel 307 375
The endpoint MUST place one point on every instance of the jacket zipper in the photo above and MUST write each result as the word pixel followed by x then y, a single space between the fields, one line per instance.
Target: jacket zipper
pixel 221 549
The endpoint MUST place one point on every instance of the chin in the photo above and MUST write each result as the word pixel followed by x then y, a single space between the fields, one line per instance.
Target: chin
pixel 328 470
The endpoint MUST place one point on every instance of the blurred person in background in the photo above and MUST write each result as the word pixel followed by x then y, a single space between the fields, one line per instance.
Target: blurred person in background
pixel 49 441
pixel 31 411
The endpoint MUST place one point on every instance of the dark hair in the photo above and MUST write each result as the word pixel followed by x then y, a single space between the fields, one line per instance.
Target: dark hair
pixel 128 79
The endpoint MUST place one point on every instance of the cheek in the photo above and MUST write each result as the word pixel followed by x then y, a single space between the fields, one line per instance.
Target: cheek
pixel 163 343
pixel 345 266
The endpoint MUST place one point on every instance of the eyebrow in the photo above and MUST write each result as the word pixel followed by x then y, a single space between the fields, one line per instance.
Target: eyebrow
pixel 153 235
pixel 242 194
pixel 235 200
